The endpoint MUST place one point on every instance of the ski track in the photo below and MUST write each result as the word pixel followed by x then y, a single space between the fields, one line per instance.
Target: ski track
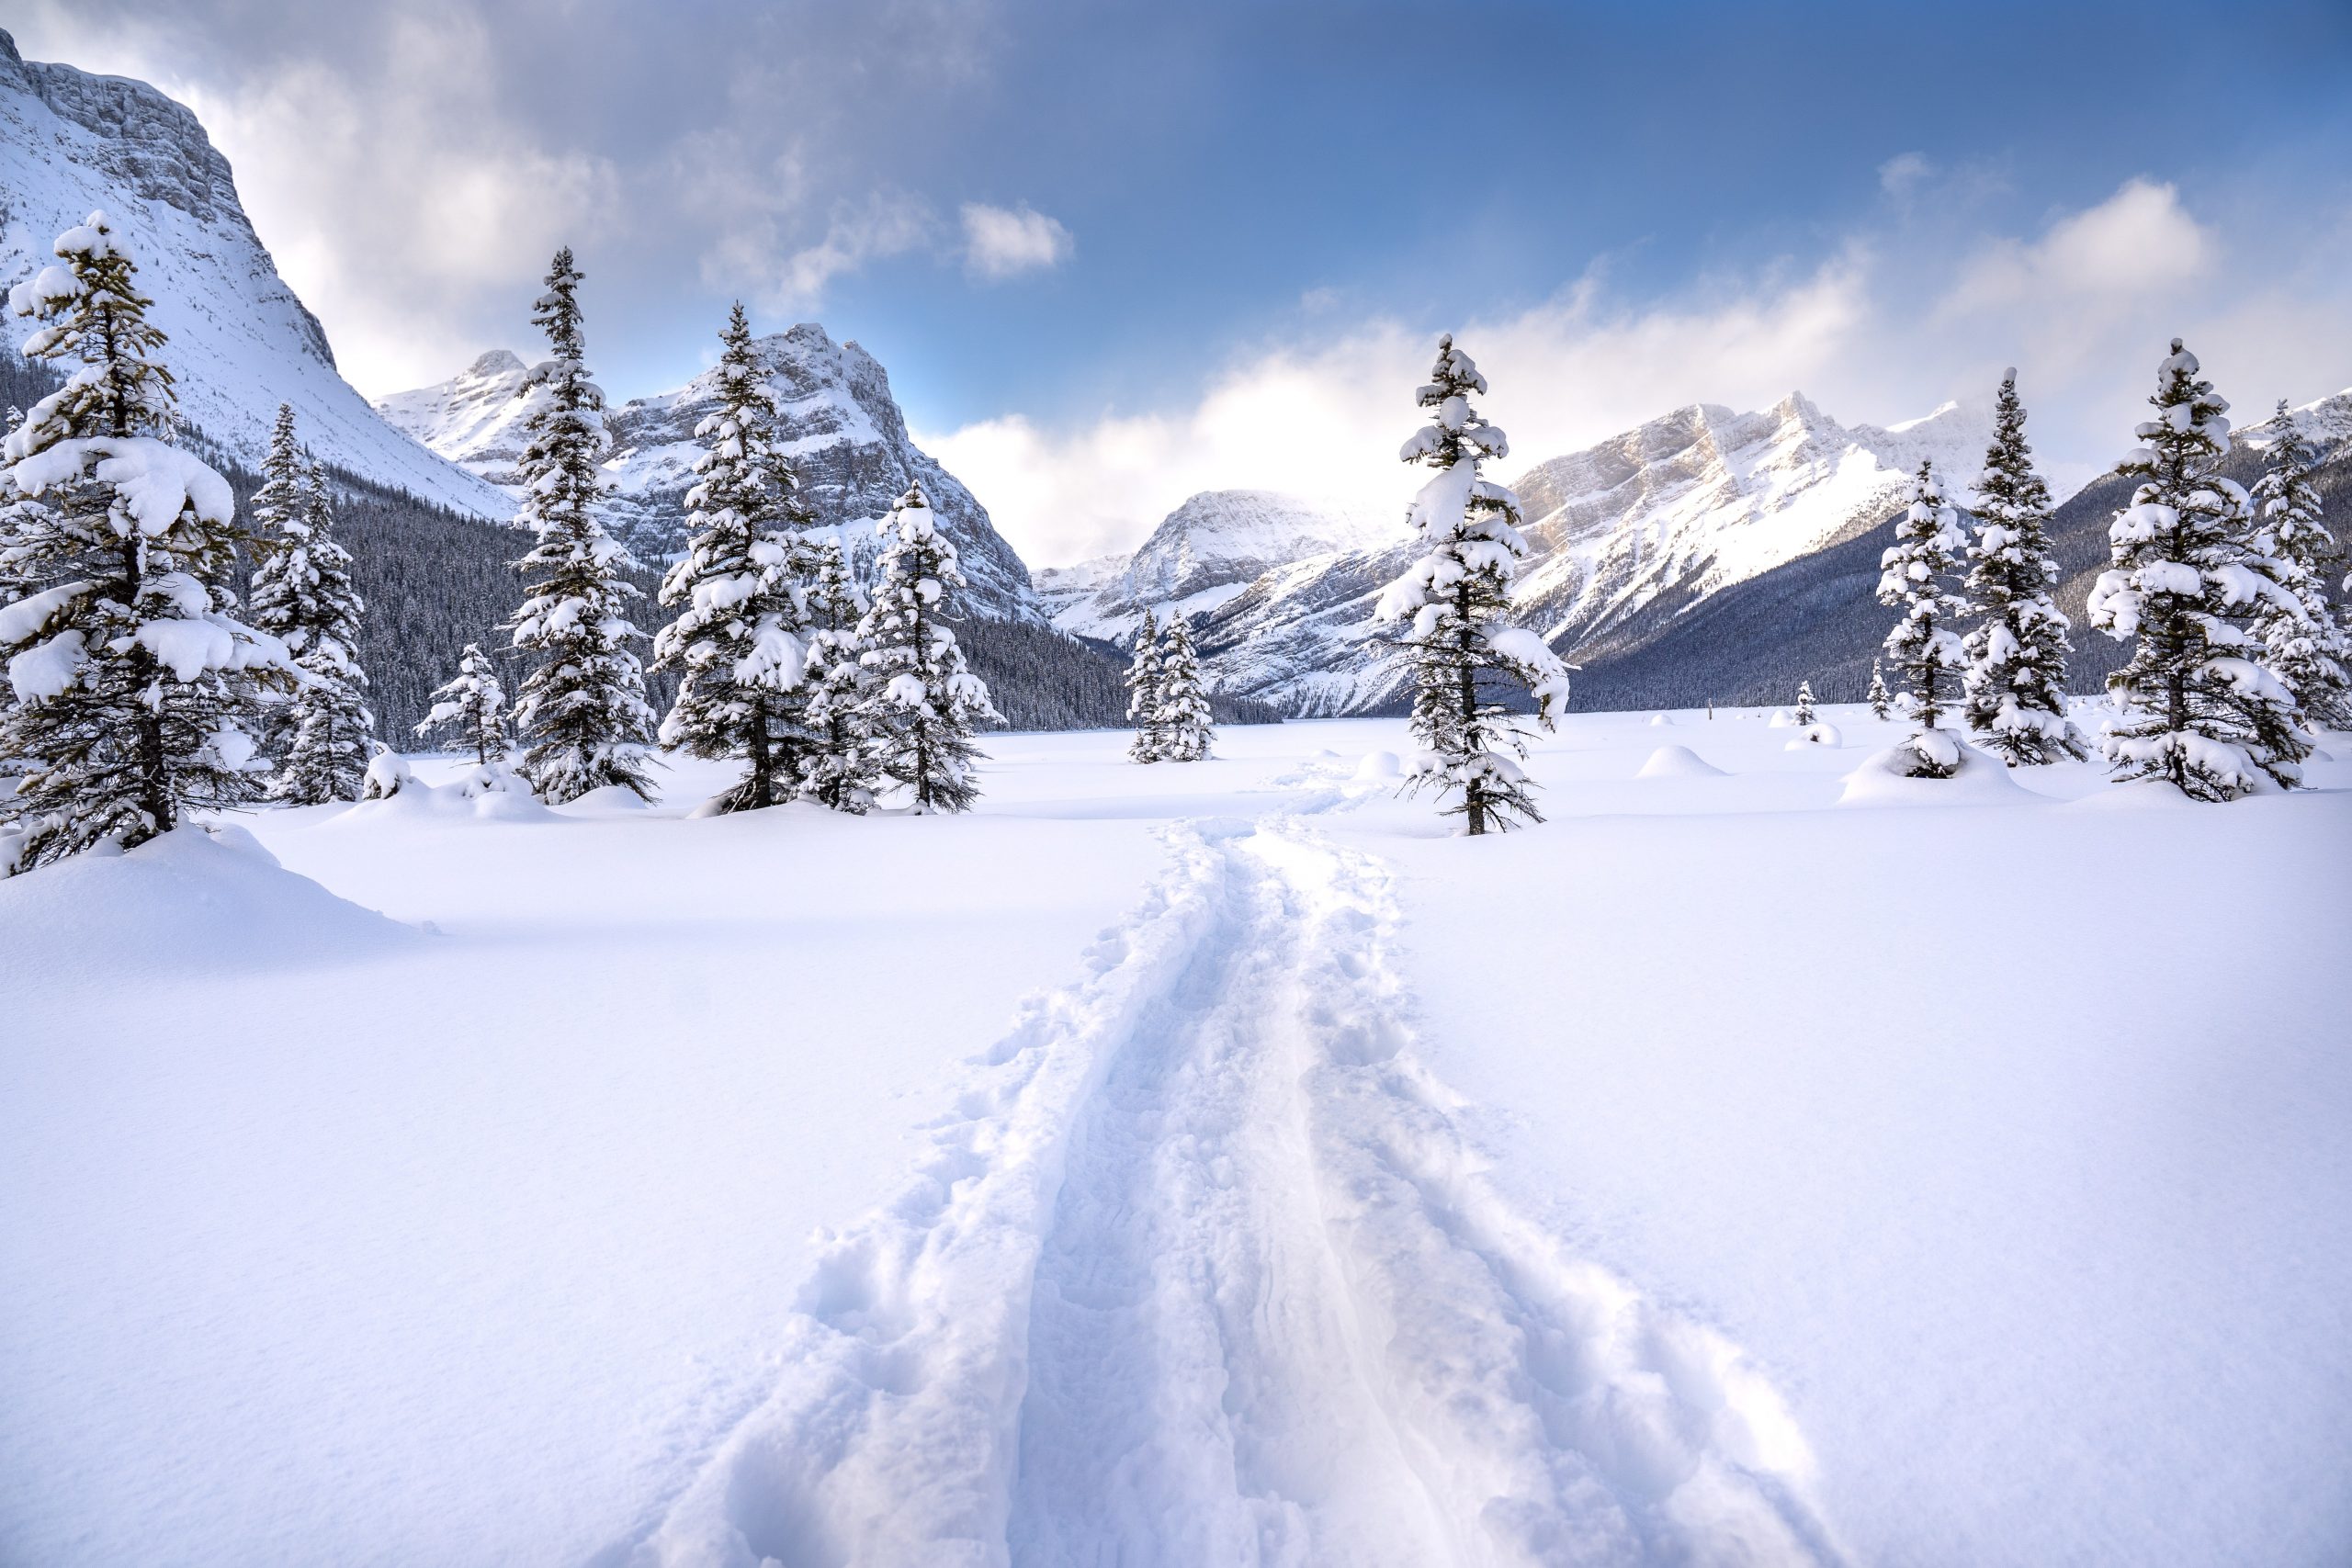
pixel 1200 1271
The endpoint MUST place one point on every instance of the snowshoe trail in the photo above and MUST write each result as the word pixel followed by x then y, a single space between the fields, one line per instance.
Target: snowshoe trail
pixel 1202 1272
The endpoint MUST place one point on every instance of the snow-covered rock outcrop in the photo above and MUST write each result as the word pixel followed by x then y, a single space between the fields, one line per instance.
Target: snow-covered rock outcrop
pixel 847 438
pixel 1625 533
pixel 72 143
pixel 1202 554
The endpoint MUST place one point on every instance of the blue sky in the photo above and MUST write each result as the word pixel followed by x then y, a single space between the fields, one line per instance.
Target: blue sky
pixel 1113 253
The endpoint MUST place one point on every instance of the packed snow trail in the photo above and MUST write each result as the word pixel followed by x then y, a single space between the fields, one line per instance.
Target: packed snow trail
pixel 1202 1272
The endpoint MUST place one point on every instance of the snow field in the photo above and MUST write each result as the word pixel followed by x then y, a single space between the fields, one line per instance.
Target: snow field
pixel 1666 1183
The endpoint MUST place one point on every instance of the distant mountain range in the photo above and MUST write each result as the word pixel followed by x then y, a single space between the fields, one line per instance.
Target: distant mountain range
pixel 1703 555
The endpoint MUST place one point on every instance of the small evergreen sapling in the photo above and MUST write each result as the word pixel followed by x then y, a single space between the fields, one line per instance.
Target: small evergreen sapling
pixel 2016 676
pixel 2309 652
pixel 583 714
pixel 1151 744
pixel 303 595
pixel 2191 565
pixel 1882 702
pixel 1914 573
pixel 1454 603
pixel 472 708
pixel 838 771
pixel 136 686
pixel 1806 716
pixel 1185 724
pixel 923 704
pixel 741 640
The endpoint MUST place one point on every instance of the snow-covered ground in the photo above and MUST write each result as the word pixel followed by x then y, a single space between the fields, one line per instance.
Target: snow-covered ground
pixel 1221 1166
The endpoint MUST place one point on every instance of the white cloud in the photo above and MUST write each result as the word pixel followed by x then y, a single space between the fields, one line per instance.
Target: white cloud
pixel 1898 320
pixel 1905 173
pixel 1001 243
pixel 885 224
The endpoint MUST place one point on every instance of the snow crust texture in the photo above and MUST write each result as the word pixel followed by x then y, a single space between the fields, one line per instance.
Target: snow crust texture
pixel 1202 1271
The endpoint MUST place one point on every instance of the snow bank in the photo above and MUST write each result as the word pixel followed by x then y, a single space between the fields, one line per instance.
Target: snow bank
pixel 1979 780
pixel 492 794
pixel 1817 735
pixel 1678 762
pixel 188 899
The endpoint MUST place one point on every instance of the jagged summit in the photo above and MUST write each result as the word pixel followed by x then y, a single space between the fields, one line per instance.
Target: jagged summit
pixel 73 142
pixel 1624 534
pixel 848 440
pixel 1201 554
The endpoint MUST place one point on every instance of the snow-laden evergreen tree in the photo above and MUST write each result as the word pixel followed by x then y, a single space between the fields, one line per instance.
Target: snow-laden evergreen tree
pixel 1915 573
pixel 581 715
pixel 1454 604
pixel 838 770
pixel 136 686
pixel 1151 744
pixel 1806 716
pixel 2309 651
pixel 2189 568
pixel 1881 702
pixel 741 642
pixel 2014 683
pixel 302 596
pixel 472 708
pixel 923 705
pixel 1185 724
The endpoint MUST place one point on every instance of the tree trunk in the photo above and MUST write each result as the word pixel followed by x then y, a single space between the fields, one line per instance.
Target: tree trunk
pixel 763 782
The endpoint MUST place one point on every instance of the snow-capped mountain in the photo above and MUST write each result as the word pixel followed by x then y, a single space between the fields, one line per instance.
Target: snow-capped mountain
pixel 1202 554
pixel 1623 535
pixel 848 440
pixel 72 143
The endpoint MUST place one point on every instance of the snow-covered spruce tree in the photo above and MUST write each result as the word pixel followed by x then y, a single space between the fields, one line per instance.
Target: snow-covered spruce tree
pixel 1185 724
pixel 1881 702
pixel 302 596
pixel 135 684
pixel 2014 682
pixel 739 644
pixel 1914 573
pixel 472 708
pixel 1806 716
pixel 2189 564
pixel 582 715
pixel 920 713
pixel 1151 744
pixel 1454 603
pixel 839 769
pixel 2309 652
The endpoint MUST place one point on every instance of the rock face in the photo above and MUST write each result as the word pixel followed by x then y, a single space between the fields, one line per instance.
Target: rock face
pixel 1623 537
pixel 72 143
pixel 847 439
pixel 1203 554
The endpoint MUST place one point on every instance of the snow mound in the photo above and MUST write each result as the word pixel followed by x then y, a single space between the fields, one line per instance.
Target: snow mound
pixel 1783 719
pixel 1380 767
pixel 187 900
pixel 1817 735
pixel 1883 779
pixel 2139 795
pixel 610 798
pixel 491 794
pixel 1658 720
pixel 1678 762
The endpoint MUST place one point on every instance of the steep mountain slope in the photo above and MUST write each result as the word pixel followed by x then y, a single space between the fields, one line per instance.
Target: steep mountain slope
pixel 241 342
pixel 1202 554
pixel 1625 535
pixel 1817 618
pixel 849 441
